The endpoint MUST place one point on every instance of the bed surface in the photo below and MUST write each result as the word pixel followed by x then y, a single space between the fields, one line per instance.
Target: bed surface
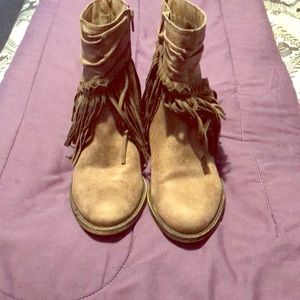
pixel 254 253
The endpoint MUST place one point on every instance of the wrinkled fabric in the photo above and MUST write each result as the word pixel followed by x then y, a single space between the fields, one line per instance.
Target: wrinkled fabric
pixel 106 47
pixel 183 35
pixel 254 254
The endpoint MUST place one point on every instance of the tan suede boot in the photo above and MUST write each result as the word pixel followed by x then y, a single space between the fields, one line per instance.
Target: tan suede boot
pixel 183 120
pixel 108 190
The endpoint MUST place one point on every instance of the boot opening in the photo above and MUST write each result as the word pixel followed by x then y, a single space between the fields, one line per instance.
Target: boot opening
pixel 185 15
pixel 102 12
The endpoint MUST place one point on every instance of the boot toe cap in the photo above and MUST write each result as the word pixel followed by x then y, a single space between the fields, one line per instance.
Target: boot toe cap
pixel 107 205
pixel 189 209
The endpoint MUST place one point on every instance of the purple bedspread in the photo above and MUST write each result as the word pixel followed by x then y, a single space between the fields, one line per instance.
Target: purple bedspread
pixel 254 253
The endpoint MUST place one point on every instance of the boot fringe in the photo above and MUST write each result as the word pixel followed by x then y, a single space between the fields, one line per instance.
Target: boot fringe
pixel 195 103
pixel 123 95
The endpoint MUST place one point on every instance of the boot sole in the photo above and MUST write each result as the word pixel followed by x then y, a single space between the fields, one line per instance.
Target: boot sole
pixel 186 237
pixel 103 230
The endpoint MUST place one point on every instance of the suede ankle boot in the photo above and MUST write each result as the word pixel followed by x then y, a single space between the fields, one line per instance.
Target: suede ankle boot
pixel 108 190
pixel 182 118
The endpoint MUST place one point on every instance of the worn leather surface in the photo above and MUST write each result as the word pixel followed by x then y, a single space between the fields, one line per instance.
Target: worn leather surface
pixel 106 191
pixel 107 184
pixel 183 194
pixel 184 197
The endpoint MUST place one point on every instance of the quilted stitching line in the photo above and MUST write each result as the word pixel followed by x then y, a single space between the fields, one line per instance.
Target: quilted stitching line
pixel 31 89
pixel 246 143
pixel 117 274
pixel 25 110
pixel 267 200
pixel 103 287
pixel 10 296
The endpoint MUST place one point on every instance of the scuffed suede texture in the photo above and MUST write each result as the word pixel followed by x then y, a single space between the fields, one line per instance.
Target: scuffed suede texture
pixel 105 191
pixel 107 184
pixel 183 196
pixel 186 190
pixel 253 254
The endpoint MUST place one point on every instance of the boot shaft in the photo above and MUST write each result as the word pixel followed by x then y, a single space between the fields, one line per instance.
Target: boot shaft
pixel 109 79
pixel 181 35
pixel 105 40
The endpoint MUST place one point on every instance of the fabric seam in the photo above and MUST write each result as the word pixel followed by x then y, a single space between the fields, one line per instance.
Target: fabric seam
pixel 117 274
pixel 255 163
pixel 31 89
pixel 24 112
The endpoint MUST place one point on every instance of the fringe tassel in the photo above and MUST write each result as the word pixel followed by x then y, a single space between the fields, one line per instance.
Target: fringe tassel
pixel 152 94
pixel 87 108
pixel 124 97
pixel 197 102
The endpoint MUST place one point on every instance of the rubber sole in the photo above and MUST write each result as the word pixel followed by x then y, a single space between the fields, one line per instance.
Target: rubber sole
pixel 102 230
pixel 183 237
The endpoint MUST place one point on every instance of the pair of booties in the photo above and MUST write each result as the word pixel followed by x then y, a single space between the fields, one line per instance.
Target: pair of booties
pixel 115 129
